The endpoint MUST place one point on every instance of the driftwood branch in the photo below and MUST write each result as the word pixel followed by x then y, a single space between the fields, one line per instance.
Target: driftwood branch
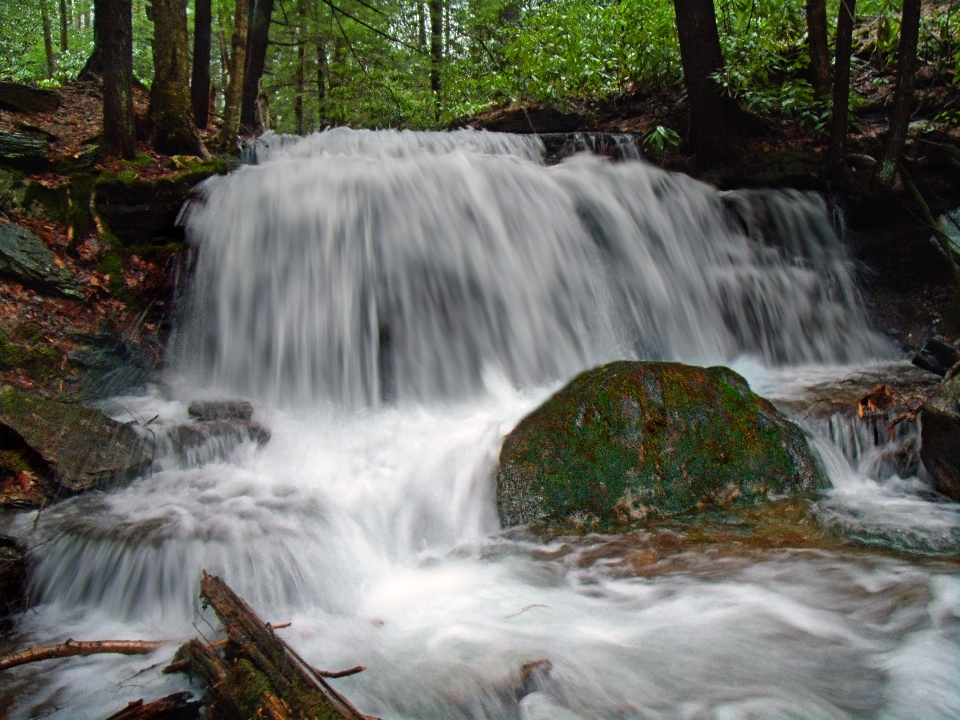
pixel 255 673
pixel 70 648
pixel 173 707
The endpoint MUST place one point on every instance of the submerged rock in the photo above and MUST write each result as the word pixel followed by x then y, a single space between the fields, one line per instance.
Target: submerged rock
pixel 24 257
pixel 629 441
pixel 211 440
pixel 940 438
pixel 220 409
pixel 52 449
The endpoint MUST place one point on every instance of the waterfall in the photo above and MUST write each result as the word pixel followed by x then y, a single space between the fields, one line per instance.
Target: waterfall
pixel 356 267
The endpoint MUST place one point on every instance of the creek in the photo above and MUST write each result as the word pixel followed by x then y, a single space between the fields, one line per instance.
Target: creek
pixel 393 303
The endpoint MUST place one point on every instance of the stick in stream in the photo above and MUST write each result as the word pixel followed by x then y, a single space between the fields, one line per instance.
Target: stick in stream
pixel 70 648
pixel 255 673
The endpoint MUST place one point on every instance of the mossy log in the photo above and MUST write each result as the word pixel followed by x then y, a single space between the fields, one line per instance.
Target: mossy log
pixel 255 673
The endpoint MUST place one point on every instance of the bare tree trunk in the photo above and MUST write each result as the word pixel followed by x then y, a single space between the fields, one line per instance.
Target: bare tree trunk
pixel 421 26
pixel 114 22
pixel 93 68
pixel 64 26
pixel 715 118
pixel 819 50
pixel 48 38
pixel 436 49
pixel 903 99
pixel 841 89
pixel 200 80
pixel 298 75
pixel 238 59
pixel 170 107
pixel 257 41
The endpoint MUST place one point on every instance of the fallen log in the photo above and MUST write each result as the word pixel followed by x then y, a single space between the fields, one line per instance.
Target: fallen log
pixel 255 673
pixel 173 707
pixel 71 648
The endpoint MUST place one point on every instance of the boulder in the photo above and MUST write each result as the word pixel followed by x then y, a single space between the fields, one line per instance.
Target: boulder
pixel 24 149
pixel 220 409
pixel 63 448
pixel 198 443
pixel 25 258
pixel 631 441
pixel 26 99
pixel 936 355
pixel 13 575
pixel 531 119
pixel 940 438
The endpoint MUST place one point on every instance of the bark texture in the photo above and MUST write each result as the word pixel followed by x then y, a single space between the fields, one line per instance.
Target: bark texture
pixel 48 37
pixel 64 24
pixel 819 50
pixel 238 59
pixel 257 40
pixel 114 24
pixel 841 89
pixel 200 79
pixel 715 118
pixel 436 45
pixel 903 99
pixel 170 107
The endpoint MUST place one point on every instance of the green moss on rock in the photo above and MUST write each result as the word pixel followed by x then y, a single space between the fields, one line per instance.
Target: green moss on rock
pixel 631 441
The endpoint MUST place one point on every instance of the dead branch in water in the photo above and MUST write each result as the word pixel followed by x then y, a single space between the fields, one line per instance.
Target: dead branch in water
pixel 255 673
pixel 173 707
pixel 70 648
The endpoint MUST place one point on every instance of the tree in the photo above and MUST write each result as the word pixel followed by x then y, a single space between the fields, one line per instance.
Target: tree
pixel 238 58
pixel 903 99
pixel 257 40
pixel 48 37
pixel 64 24
pixel 841 89
pixel 170 108
pixel 715 118
pixel 819 50
pixel 436 47
pixel 114 25
pixel 200 79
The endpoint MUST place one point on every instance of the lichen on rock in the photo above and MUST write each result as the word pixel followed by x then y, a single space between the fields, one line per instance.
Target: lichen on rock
pixel 632 441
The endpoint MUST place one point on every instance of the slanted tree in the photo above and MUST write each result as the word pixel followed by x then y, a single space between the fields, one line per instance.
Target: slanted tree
pixel 841 89
pixel 170 107
pixel 257 40
pixel 819 50
pixel 114 24
pixel 716 119
pixel 238 59
pixel 903 98
pixel 200 78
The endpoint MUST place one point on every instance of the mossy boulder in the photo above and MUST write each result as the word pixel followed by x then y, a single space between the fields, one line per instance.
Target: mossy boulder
pixel 51 449
pixel 632 441
pixel 25 257
pixel 940 438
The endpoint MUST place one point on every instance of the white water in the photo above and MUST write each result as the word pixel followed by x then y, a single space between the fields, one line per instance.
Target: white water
pixel 373 527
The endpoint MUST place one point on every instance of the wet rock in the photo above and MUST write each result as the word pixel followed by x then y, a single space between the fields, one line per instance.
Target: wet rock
pixel 52 449
pixel 24 149
pixel 207 441
pixel 13 575
pixel 114 363
pixel 936 355
pixel 940 438
pixel 220 409
pixel 25 258
pixel 26 99
pixel 630 441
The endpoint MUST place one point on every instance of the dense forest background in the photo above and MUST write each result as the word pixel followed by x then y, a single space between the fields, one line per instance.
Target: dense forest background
pixel 409 64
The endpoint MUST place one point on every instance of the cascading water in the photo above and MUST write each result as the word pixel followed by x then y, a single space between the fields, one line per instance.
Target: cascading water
pixel 393 303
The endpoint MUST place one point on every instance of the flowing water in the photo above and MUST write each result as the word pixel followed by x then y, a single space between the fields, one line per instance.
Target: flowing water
pixel 393 303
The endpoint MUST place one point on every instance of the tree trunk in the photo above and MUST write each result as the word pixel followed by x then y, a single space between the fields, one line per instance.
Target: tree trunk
pixel 93 68
pixel 48 38
pixel 238 59
pixel 322 80
pixel 436 48
pixel 819 51
pixel 903 99
pixel 714 117
pixel 64 25
pixel 298 73
pixel 841 89
pixel 114 24
pixel 421 26
pixel 257 42
pixel 170 109
pixel 200 80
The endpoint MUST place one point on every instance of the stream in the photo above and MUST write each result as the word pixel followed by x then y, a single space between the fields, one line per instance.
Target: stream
pixel 393 303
